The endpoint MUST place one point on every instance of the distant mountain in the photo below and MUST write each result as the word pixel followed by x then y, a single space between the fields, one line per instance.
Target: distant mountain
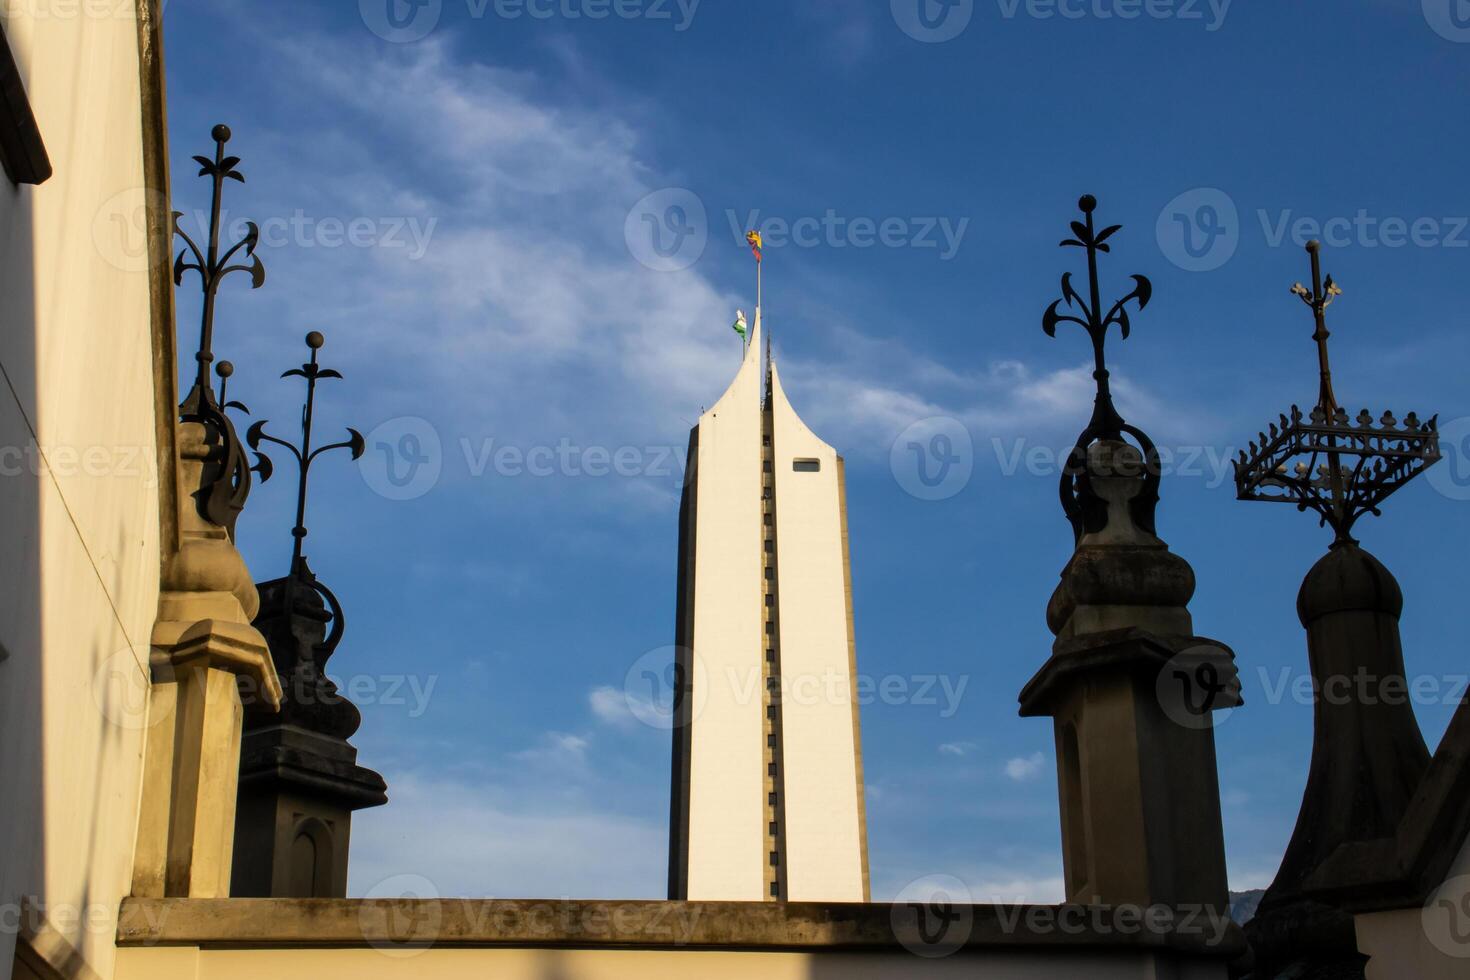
pixel 1243 904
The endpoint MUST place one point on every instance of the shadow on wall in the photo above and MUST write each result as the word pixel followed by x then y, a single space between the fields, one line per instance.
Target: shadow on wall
pixel 22 872
pixel 555 964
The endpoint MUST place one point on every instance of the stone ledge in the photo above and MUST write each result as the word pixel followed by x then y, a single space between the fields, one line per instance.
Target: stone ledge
pixel 346 923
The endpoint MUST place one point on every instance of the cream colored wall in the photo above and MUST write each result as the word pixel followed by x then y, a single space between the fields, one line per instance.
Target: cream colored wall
pixel 189 963
pixel 81 530
pixel 1413 943
pixel 824 835
pixel 726 785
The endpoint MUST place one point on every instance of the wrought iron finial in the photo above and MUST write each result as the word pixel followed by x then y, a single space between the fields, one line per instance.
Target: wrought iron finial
pixel 226 481
pixel 305 454
pixel 226 370
pixel 209 263
pixel 1084 510
pixel 1339 467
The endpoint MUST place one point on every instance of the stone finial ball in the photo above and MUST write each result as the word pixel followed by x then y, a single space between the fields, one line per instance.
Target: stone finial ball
pixel 224 369
pixel 314 340
pixel 1088 203
pixel 221 133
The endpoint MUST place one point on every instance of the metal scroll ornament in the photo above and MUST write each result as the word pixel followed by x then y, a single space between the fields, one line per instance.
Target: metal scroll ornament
pixel 1085 510
pixel 301 575
pixel 305 455
pixel 226 481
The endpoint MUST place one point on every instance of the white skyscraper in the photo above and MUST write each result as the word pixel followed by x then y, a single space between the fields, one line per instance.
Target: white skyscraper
pixel 767 799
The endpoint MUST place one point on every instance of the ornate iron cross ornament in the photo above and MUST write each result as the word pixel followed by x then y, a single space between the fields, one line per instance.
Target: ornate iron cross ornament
pixel 305 455
pixel 1340 468
pixel 1086 512
pixel 1319 298
pixel 227 472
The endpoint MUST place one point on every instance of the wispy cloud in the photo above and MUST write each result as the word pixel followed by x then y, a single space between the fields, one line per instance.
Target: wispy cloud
pixel 557 748
pixel 992 883
pixel 1025 768
pixel 526 316
pixel 957 748
pixel 610 706
pixel 483 839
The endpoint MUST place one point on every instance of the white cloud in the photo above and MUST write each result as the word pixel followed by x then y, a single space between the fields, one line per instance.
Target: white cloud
pixel 998 884
pixel 527 318
pixel 609 705
pixel 625 709
pixel 956 748
pixel 1003 888
pixel 557 749
pixel 481 840
pixel 1022 769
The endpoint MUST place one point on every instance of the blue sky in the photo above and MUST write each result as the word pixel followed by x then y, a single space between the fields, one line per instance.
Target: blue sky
pixel 465 215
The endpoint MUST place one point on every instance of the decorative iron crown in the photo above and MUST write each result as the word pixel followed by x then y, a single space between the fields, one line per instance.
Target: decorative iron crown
pixel 1324 461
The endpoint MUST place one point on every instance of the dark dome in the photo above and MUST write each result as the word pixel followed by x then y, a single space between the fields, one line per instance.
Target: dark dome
pixel 1348 578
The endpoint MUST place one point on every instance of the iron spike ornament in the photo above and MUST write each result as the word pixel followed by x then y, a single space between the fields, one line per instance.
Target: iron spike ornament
pixel 1324 461
pixel 226 481
pixel 312 372
pixel 226 370
pixel 1087 512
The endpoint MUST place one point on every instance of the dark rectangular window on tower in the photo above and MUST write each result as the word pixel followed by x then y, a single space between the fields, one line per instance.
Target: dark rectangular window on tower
pixel 807 465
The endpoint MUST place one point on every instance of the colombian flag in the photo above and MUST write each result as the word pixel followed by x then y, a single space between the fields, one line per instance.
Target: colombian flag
pixel 754 238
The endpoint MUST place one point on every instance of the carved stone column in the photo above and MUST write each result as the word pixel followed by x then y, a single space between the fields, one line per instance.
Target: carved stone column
pixel 299 777
pixel 1131 691
pixel 202 645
